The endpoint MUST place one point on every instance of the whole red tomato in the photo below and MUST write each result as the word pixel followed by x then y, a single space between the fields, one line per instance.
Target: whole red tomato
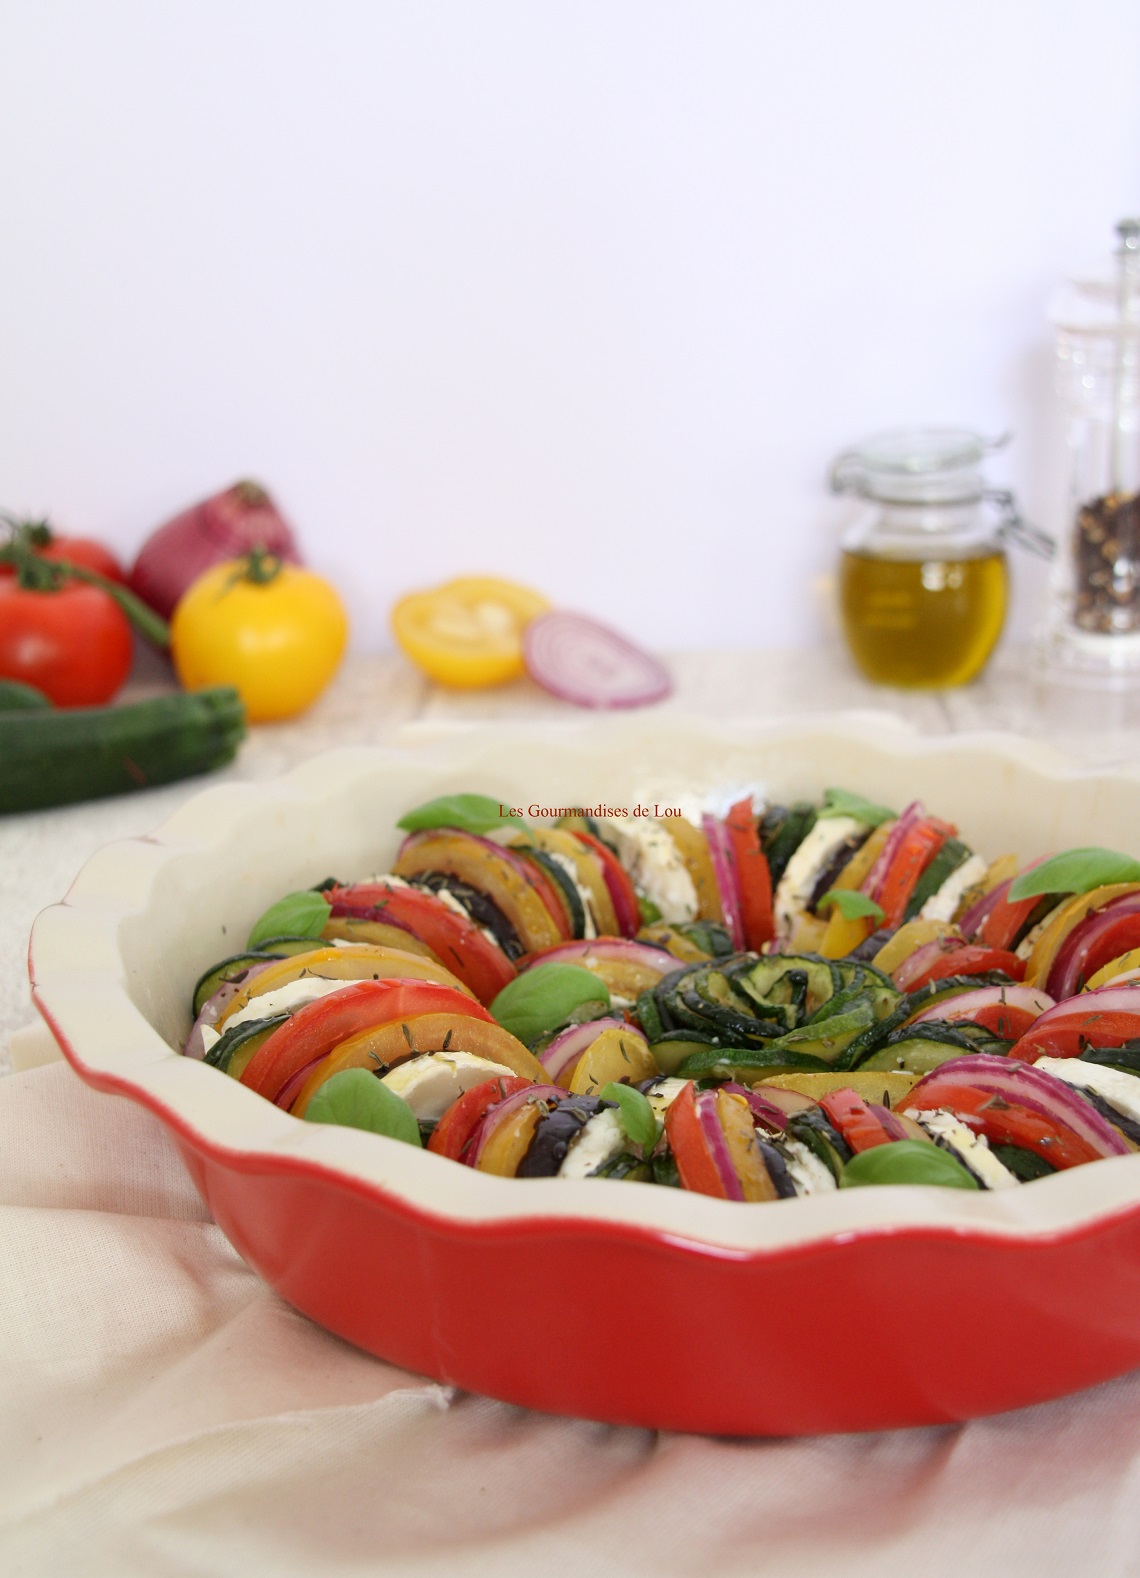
pixel 83 551
pixel 74 643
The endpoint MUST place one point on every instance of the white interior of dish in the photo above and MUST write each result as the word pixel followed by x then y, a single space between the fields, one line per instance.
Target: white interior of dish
pixel 114 964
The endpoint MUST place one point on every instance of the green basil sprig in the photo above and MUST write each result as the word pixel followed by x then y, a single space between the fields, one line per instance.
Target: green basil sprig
pixel 906 1162
pixel 636 1114
pixel 356 1099
pixel 1075 871
pixel 841 802
pixel 851 904
pixel 471 813
pixel 296 915
pixel 546 997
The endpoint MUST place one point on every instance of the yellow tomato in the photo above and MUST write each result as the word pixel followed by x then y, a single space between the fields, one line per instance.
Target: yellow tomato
pixel 467 633
pixel 275 632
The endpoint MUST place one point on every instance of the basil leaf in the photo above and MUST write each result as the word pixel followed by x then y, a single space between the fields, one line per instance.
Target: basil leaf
pixel 906 1162
pixel 472 813
pixel 1075 871
pixel 650 914
pixel 545 997
pixel 841 802
pixel 636 1114
pixel 356 1099
pixel 851 904
pixel 296 915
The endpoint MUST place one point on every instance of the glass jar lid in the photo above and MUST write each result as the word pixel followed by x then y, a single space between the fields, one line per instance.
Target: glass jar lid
pixel 921 465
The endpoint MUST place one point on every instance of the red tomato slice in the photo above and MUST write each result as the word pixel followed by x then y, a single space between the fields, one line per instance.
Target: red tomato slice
pixel 549 893
pixel 320 1026
pixel 854 1119
pixel 953 956
pixel 1007 1123
pixel 457 942
pixel 1003 1019
pixel 1068 1034
pixel 454 1130
pixel 690 1149
pixel 753 877
pixel 621 889
pixel 910 860
pixel 1001 921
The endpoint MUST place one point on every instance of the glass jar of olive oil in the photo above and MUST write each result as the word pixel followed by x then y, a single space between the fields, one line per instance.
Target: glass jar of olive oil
pixel 923 581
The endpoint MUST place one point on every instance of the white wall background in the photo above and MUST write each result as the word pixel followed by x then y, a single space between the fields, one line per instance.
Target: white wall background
pixel 584 293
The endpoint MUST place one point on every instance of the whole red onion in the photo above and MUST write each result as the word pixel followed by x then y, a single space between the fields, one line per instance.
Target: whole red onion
pixel 224 527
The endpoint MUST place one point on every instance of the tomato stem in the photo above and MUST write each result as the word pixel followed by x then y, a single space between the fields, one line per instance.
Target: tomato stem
pixel 34 573
pixel 258 566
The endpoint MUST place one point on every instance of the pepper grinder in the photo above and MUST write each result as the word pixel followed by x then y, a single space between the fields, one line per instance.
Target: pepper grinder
pixel 1091 632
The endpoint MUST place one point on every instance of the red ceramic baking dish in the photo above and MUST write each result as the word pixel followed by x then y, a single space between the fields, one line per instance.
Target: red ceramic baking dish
pixel 619 1302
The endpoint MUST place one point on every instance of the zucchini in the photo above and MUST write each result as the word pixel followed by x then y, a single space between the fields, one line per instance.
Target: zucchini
pixel 782 831
pixel 238 1044
pixel 952 855
pixel 56 757
pixel 238 964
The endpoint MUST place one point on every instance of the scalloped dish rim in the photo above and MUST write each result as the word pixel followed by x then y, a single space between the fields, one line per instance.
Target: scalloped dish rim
pixel 86 954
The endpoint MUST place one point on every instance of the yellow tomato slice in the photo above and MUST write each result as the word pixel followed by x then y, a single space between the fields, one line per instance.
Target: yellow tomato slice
pixel 858 868
pixel 843 935
pixel 915 934
pixel 694 848
pixel 675 942
pixel 342 964
pixel 735 1119
pixel 349 929
pixel 401 1039
pixel 589 868
pixel 504 1151
pixel 467 633
pixel 616 1055
pixel 489 870
pixel 1126 964
pixel 1070 914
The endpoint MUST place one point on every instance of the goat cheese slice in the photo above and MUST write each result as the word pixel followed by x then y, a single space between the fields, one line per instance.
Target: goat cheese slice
pixel 599 1141
pixel 972 1150
pixel 655 866
pixel 1113 1085
pixel 941 906
pixel 801 874
pixel 430 1083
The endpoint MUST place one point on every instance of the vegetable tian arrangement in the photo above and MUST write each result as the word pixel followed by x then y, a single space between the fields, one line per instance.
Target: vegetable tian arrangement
pixel 753 1002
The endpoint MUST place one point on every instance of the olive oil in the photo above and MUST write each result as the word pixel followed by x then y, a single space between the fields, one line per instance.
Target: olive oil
pixel 922 623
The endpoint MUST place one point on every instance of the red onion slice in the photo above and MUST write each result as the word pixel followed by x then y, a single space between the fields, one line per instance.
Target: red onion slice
pixel 1100 1003
pixel 1024 1086
pixel 213 1007
pixel 1069 965
pixel 621 950
pixel 718 1145
pixel 291 1089
pixel 580 660
pixel 501 1111
pixel 1031 998
pixel 874 878
pixel 724 870
pixel 568 1046
pixel 767 1112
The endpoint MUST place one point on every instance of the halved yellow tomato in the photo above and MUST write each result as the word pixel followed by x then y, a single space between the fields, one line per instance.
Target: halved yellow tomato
pixel 468 632
pixel 616 1055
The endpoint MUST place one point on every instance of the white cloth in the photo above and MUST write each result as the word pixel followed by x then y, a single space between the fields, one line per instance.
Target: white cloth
pixel 165 1414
